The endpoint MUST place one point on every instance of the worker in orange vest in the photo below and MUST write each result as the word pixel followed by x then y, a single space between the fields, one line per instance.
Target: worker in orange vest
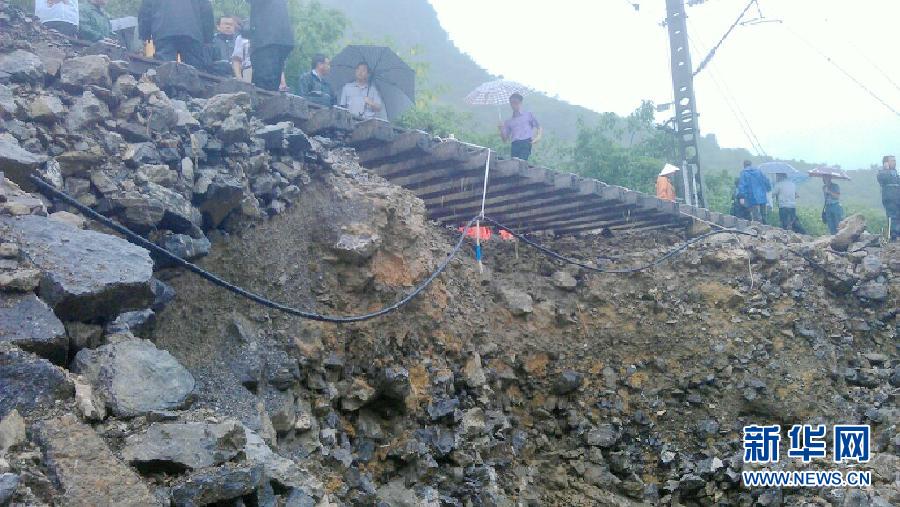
pixel 665 189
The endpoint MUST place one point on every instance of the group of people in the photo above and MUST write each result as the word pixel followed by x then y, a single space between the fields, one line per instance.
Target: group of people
pixel 86 20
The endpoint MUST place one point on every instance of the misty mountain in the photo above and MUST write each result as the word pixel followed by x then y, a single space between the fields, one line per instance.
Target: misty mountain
pixel 414 23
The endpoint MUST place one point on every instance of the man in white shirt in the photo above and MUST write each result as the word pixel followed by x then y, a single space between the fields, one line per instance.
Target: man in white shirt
pixel 59 15
pixel 785 194
pixel 362 98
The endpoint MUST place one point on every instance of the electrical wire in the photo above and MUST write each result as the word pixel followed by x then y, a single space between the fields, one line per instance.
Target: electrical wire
pixel 842 70
pixel 216 280
pixel 718 45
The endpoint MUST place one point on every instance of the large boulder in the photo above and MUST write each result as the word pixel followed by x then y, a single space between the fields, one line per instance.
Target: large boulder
pixel 283 107
pixel 46 109
pixel 134 377
pixel 849 232
pixel 81 71
pixel 185 445
pixel 29 383
pixel 519 303
pixel 28 322
pixel 21 66
pixel 87 275
pixel 17 162
pixel 175 78
pixel 85 470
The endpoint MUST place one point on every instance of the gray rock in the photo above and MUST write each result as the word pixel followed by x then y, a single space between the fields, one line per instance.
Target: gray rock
pixel 235 129
pixel 185 445
pixel 873 291
pixel 283 107
pixel 46 109
pixel 357 248
pixel 17 162
pixel 12 432
pixel 141 153
pixel 568 382
pixel 7 102
pixel 394 384
pixel 29 383
pixel 187 247
pixel 175 78
pixel 84 469
pixel 298 142
pixel 219 107
pixel 81 71
pixel 849 232
pixel 226 483
pixel 564 281
pixel 159 174
pixel 8 484
pixel 473 373
pixel 223 195
pixel 604 435
pixel 87 275
pixel 272 135
pixel 179 215
pixel 86 112
pixel 138 323
pixel 518 302
pixel 28 322
pixel 134 377
pixel 396 494
pixel 21 67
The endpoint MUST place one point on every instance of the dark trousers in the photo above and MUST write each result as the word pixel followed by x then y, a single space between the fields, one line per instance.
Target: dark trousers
pixel 756 213
pixel 790 221
pixel 192 52
pixel 521 149
pixel 62 27
pixel 268 64
pixel 833 215
pixel 893 214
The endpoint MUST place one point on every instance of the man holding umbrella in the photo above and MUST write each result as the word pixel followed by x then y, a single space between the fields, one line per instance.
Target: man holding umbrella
pixel 361 97
pixel 523 129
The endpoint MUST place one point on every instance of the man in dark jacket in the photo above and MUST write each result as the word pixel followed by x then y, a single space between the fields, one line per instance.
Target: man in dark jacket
pixel 312 85
pixel 178 27
pixel 753 189
pixel 271 41
pixel 222 47
pixel 889 180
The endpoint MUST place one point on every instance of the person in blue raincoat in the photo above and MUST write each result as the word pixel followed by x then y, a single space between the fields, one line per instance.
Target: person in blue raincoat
pixel 753 189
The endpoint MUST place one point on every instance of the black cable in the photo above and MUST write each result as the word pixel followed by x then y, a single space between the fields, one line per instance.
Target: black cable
pixel 715 48
pixel 645 267
pixel 140 241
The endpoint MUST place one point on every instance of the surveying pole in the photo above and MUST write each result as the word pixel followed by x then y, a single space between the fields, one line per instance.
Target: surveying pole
pixel 686 129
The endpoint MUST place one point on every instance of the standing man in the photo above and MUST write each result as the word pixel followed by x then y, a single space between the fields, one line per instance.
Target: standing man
pixel 833 212
pixel 665 189
pixel 786 197
pixel 178 28
pixel 59 15
pixel 222 47
pixel 523 129
pixel 361 97
pixel 889 180
pixel 312 85
pixel 94 21
pixel 271 41
pixel 753 189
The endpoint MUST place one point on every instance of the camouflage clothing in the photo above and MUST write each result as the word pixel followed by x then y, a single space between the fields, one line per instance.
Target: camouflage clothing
pixel 93 22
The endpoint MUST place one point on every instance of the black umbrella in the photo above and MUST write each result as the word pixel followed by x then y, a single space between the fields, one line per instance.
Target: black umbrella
pixel 395 80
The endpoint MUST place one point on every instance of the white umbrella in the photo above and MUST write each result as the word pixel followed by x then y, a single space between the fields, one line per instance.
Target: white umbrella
pixel 495 93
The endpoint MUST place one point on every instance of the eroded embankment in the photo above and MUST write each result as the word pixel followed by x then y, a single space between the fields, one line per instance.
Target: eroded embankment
pixel 543 381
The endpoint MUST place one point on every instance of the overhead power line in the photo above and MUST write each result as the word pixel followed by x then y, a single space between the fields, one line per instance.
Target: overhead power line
pixel 718 45
pixel 842 70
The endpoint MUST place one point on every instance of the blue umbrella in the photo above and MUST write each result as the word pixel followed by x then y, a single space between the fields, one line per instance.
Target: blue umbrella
pixel 773 168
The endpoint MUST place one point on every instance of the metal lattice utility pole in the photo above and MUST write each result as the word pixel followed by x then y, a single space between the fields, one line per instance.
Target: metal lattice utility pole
pixel 685 103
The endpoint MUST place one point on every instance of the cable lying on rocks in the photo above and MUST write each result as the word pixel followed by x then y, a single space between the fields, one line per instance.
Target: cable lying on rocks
pixel 256 298
pixel 261 300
